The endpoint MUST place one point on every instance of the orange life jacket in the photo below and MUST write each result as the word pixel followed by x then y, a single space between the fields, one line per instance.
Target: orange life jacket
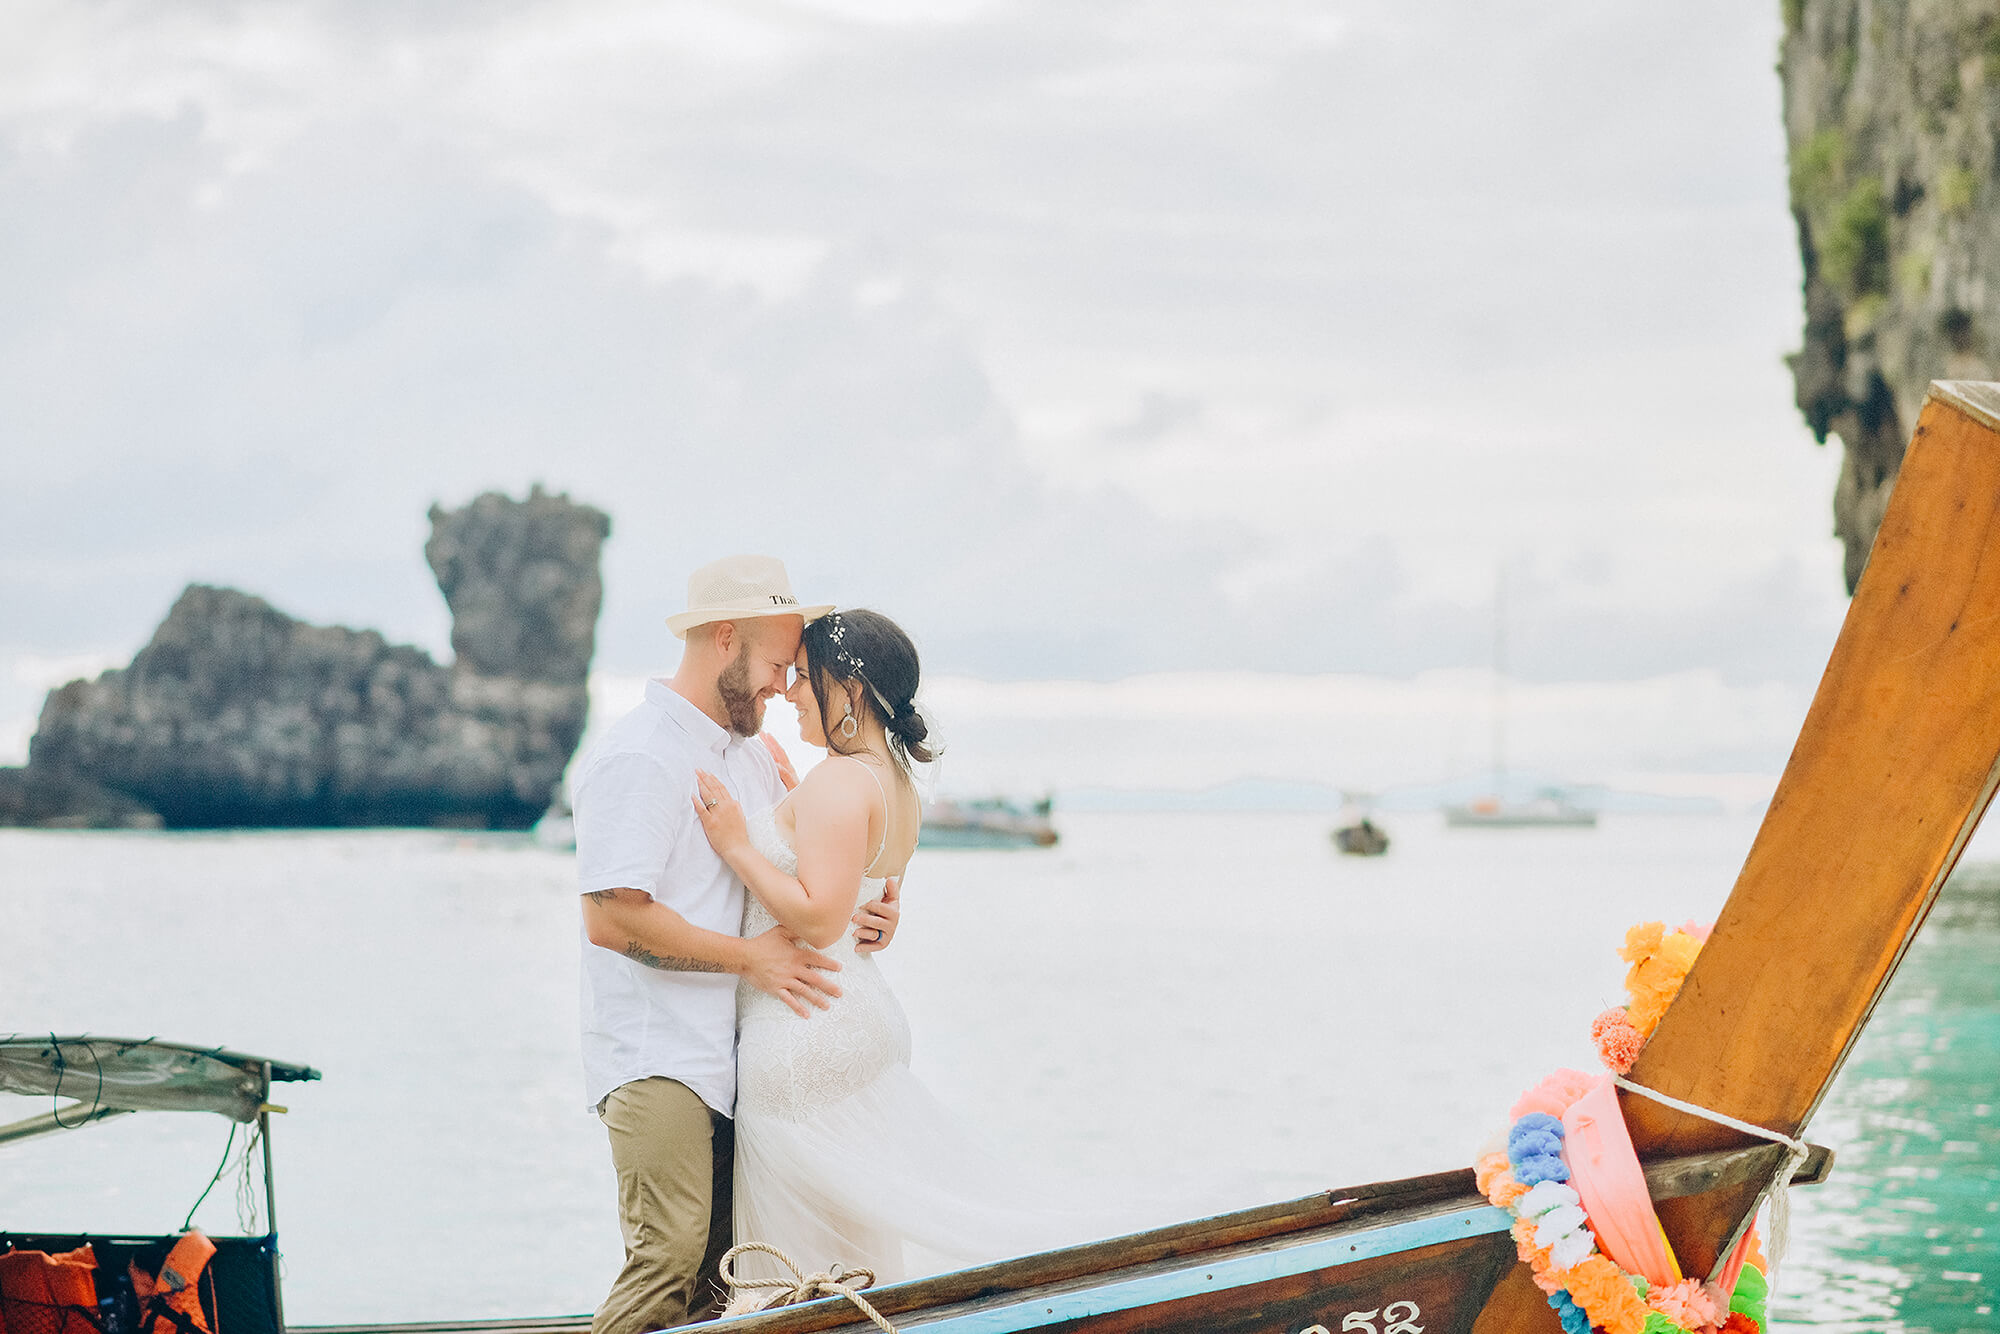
pixel 49 1294
pixel 171 1302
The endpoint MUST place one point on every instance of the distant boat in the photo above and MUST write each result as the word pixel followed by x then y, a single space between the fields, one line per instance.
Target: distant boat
pixel 987 822
pixel 1361 839
pixel 1358 835
pixel 1551 808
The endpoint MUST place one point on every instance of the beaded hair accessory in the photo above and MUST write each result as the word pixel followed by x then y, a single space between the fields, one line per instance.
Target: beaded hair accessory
pixel 837 632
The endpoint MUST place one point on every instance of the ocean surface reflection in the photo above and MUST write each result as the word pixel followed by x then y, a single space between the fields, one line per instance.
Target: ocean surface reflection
pixel 1903 1236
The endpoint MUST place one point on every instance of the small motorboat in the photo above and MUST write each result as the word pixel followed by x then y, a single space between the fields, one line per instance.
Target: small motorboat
pixel 89 1079
pixel 1357 834
pixel 1363 838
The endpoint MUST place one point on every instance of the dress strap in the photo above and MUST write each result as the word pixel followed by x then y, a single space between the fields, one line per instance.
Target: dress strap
pixel 884 843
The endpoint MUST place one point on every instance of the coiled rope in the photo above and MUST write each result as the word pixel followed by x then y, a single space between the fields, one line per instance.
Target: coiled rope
pixel 840 1281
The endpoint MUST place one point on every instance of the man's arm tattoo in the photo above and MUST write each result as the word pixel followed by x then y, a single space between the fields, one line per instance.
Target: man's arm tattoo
pixel 671 963
pixel 601 895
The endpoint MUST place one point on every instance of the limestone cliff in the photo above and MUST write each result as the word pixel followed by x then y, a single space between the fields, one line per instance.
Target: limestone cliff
pixel 239 715
pixel 1891 109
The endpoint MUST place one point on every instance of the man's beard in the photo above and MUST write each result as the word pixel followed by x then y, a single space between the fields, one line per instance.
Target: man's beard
pixel 745 707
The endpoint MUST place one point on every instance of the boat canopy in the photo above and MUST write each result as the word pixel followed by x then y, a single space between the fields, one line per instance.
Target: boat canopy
pixel 142 1074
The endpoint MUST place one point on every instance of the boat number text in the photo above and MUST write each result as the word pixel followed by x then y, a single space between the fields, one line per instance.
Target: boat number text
pixel 1397 1318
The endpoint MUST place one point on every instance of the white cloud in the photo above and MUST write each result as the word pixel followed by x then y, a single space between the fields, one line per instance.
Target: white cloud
pixel 776 266
pixel 894 13
pixel 1091 339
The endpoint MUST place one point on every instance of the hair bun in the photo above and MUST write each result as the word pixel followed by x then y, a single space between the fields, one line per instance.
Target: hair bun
pixel 909 727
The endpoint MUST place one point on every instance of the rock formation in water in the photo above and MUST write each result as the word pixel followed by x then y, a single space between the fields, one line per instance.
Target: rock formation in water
pixel 1892 114
pixel 37 799
pixel 239 715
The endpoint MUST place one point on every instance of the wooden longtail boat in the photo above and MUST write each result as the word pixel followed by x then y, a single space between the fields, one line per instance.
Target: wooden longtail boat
pixel 1896 763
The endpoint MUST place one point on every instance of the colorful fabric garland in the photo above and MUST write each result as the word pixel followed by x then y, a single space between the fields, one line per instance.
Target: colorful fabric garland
pixel 1531 1178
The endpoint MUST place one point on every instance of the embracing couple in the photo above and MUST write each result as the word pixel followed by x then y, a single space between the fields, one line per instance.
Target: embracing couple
pixel 749 1062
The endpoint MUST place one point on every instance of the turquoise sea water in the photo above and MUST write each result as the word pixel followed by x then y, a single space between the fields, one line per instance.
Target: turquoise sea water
pixel 1906 1233
pixel 1196 1012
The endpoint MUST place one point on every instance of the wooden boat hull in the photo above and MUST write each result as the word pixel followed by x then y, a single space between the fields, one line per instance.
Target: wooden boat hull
pixel 1361 840
pixel 1433 1271
pixel 1426 1267
pixel 1424 1255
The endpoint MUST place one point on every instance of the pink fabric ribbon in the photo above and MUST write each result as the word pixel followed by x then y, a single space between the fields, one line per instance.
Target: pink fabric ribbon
pixel 1605 1173
pixel 1604 1169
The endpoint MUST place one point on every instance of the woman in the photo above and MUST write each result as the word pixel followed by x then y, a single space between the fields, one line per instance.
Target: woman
pixel 842 1156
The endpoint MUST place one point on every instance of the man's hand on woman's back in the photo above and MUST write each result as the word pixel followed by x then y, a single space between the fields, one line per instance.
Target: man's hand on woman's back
pixel 774 964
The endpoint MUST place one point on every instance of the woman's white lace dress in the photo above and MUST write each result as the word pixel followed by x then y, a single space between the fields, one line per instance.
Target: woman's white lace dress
pixel 842 1156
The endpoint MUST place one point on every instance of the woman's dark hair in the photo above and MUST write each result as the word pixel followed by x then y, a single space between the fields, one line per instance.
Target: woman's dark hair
pixel 868 647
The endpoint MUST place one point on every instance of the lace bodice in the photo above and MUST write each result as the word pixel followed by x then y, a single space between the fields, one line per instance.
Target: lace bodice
pixel 788 1066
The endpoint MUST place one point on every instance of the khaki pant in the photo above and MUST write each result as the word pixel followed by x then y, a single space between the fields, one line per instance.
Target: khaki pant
pixel 674 1158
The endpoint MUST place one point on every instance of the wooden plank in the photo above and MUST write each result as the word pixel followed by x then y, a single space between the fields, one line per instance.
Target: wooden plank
pixel 1438 1290
pixel 1241 1288
pixel 1517 1306
pixel 1095 1261
pixel 1894 766
pixel 1265 1230
pixel 1341 1216
pixel 1678 1178
pixel 1977 399
pixel 1098 1263
pixel 1466 1271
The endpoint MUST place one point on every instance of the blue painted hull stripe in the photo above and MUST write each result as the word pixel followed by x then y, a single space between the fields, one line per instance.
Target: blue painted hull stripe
pixel 1242 1272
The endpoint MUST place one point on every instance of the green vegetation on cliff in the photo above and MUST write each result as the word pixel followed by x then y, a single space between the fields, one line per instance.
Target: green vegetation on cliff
pixel 1892 117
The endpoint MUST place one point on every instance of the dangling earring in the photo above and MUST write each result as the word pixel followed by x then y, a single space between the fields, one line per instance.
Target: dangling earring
pixel 849 726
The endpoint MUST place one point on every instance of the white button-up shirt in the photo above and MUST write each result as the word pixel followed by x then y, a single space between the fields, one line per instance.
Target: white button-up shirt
pixel 636 829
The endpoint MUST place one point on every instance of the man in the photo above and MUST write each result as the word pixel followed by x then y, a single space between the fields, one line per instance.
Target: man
pixel 661 919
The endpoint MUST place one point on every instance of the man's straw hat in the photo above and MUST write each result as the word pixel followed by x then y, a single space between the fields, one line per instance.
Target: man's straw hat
pixel 736 588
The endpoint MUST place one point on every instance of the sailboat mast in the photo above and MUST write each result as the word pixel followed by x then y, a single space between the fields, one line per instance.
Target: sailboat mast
pixel 1500 682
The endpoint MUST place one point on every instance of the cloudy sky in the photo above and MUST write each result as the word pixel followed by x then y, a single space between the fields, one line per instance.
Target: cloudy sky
pixel 1091 340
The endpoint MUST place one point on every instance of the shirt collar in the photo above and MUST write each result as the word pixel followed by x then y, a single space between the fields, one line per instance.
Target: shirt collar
pixel 701 729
